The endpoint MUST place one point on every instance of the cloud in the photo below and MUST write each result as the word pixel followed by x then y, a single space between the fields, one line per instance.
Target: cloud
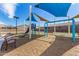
pixel 2 23
pixel 9 8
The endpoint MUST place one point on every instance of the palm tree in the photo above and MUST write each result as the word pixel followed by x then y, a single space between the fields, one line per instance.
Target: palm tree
pixel 15 17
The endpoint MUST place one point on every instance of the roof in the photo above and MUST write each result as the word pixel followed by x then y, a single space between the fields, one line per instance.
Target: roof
pixel 57 9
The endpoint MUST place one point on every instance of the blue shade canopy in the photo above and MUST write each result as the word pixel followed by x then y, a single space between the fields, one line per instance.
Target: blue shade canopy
pixel 32 18
pixel 57 9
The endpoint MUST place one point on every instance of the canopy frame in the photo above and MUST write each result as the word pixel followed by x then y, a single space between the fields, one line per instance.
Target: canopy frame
pixel 73 28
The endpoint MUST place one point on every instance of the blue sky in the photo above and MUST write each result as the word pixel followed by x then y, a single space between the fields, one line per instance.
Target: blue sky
pixel 22 11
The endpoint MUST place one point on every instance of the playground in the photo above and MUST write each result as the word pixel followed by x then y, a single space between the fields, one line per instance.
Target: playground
pixel 55 34
pixel 41 46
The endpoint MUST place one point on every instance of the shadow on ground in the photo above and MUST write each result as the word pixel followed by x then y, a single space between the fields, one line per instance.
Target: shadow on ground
pixel 19 42
pixel 60 46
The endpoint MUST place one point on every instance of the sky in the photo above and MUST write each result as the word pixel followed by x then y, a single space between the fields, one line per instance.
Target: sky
pixel 21 10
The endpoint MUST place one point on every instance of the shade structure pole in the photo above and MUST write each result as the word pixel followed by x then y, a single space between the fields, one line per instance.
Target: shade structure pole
pixel 54 27
pixel 46 29
pixel 73 31
pixel 30 11
pixel 68 26
pixel 39 26
pixel 24 26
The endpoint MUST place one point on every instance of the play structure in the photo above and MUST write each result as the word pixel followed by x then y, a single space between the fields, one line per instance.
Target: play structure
pixel 59 11
pixel 33 27
pixel 53 10
pixel 44 26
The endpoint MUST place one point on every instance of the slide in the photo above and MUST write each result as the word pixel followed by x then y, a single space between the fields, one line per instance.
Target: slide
pixel 26 32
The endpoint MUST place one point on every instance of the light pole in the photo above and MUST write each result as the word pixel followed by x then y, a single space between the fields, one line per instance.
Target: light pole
pixel 15 17
pixel 30 11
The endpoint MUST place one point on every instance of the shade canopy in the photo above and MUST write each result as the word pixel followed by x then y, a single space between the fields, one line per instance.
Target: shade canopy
pixel 32 18
pixel 57 9
pixel 41 18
